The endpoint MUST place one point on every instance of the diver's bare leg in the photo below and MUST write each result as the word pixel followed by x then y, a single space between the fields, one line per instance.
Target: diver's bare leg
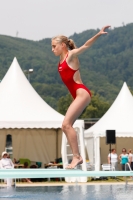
pixel 73 112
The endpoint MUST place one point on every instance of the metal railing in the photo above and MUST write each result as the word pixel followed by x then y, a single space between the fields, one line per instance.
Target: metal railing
pixel 127 164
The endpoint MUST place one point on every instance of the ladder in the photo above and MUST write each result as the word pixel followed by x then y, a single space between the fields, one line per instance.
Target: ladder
pixel 67 155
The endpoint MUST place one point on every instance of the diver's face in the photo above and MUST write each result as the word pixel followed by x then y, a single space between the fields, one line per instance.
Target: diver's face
pixel 57 47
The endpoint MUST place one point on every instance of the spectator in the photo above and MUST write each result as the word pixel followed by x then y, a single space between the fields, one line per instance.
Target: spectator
pixel 15 161
pixel 113 159
pixel 130 157
pixel 8 155
pixel 124 159
pixel 6 163
pixel 26 166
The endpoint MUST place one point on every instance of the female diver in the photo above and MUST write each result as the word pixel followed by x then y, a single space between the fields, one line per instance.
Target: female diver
pixel 68 69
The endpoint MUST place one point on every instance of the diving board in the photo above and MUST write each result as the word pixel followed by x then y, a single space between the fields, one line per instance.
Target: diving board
pixel 53 173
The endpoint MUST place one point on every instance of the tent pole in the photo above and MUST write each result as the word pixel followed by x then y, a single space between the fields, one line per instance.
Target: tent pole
pixel 110 155
pixel 56 143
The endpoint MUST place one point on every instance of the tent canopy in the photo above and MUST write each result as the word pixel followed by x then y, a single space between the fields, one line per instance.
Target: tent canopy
pixel 119 117
pixel 35 127
pixel 22 107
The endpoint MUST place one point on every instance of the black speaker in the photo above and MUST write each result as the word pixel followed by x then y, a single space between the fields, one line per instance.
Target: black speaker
pixel 110 137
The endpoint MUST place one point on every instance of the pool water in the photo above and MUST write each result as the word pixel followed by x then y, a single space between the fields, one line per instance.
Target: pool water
pixel 77 192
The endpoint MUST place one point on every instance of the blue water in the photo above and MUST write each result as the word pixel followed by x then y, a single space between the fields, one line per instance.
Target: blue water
pixel 77 192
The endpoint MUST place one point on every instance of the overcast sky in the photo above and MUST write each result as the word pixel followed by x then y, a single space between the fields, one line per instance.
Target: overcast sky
pixel 39 19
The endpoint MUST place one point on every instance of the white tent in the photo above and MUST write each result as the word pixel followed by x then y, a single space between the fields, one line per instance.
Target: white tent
pixel 35 126
pixel 119 117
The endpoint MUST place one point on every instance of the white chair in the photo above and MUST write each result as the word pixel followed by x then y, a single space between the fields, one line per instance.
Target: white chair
pixel 108 167
pixel 90 166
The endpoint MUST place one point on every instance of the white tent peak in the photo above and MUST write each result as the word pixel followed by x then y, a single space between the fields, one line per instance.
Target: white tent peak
pixel 15 60
pixel 14 73
pixel 124 95
pixel 118 117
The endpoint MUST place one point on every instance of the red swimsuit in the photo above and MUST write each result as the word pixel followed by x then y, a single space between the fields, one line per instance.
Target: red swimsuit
pixel 67 74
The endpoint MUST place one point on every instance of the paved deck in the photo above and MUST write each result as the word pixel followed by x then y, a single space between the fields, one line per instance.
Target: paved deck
pixel 42 184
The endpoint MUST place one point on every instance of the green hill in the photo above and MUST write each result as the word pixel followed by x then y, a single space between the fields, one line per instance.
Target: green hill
pixel 104 67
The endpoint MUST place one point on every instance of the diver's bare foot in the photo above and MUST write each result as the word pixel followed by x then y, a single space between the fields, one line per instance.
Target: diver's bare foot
pixel 77 159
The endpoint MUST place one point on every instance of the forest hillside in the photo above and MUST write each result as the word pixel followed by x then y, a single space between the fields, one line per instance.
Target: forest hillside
pixel 104 67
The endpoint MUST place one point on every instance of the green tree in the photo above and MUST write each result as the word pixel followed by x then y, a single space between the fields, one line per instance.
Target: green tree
pixel 97 108
pixel 104 67
pixel 64 103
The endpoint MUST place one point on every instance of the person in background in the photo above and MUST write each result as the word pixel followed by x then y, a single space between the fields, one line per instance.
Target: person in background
pixel 15 161
pixel 130 158
pixel 26 166
pixel 6 163
pixel 8 155
pixel 124 159
pixel 113 159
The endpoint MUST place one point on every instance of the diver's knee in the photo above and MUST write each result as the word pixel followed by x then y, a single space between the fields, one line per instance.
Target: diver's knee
pixel 65 127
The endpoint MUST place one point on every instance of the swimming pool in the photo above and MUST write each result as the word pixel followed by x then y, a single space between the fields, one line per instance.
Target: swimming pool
pixel 77 192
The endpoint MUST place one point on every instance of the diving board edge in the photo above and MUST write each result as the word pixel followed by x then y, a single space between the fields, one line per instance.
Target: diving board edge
pixel 53 173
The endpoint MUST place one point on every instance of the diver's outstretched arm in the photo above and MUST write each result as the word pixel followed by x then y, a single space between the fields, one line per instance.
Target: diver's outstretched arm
pixel 89 42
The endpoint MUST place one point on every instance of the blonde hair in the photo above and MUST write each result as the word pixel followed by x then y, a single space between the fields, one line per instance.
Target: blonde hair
pixel 69 42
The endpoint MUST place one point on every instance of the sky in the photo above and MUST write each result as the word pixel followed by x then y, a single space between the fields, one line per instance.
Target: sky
pixel 39 19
